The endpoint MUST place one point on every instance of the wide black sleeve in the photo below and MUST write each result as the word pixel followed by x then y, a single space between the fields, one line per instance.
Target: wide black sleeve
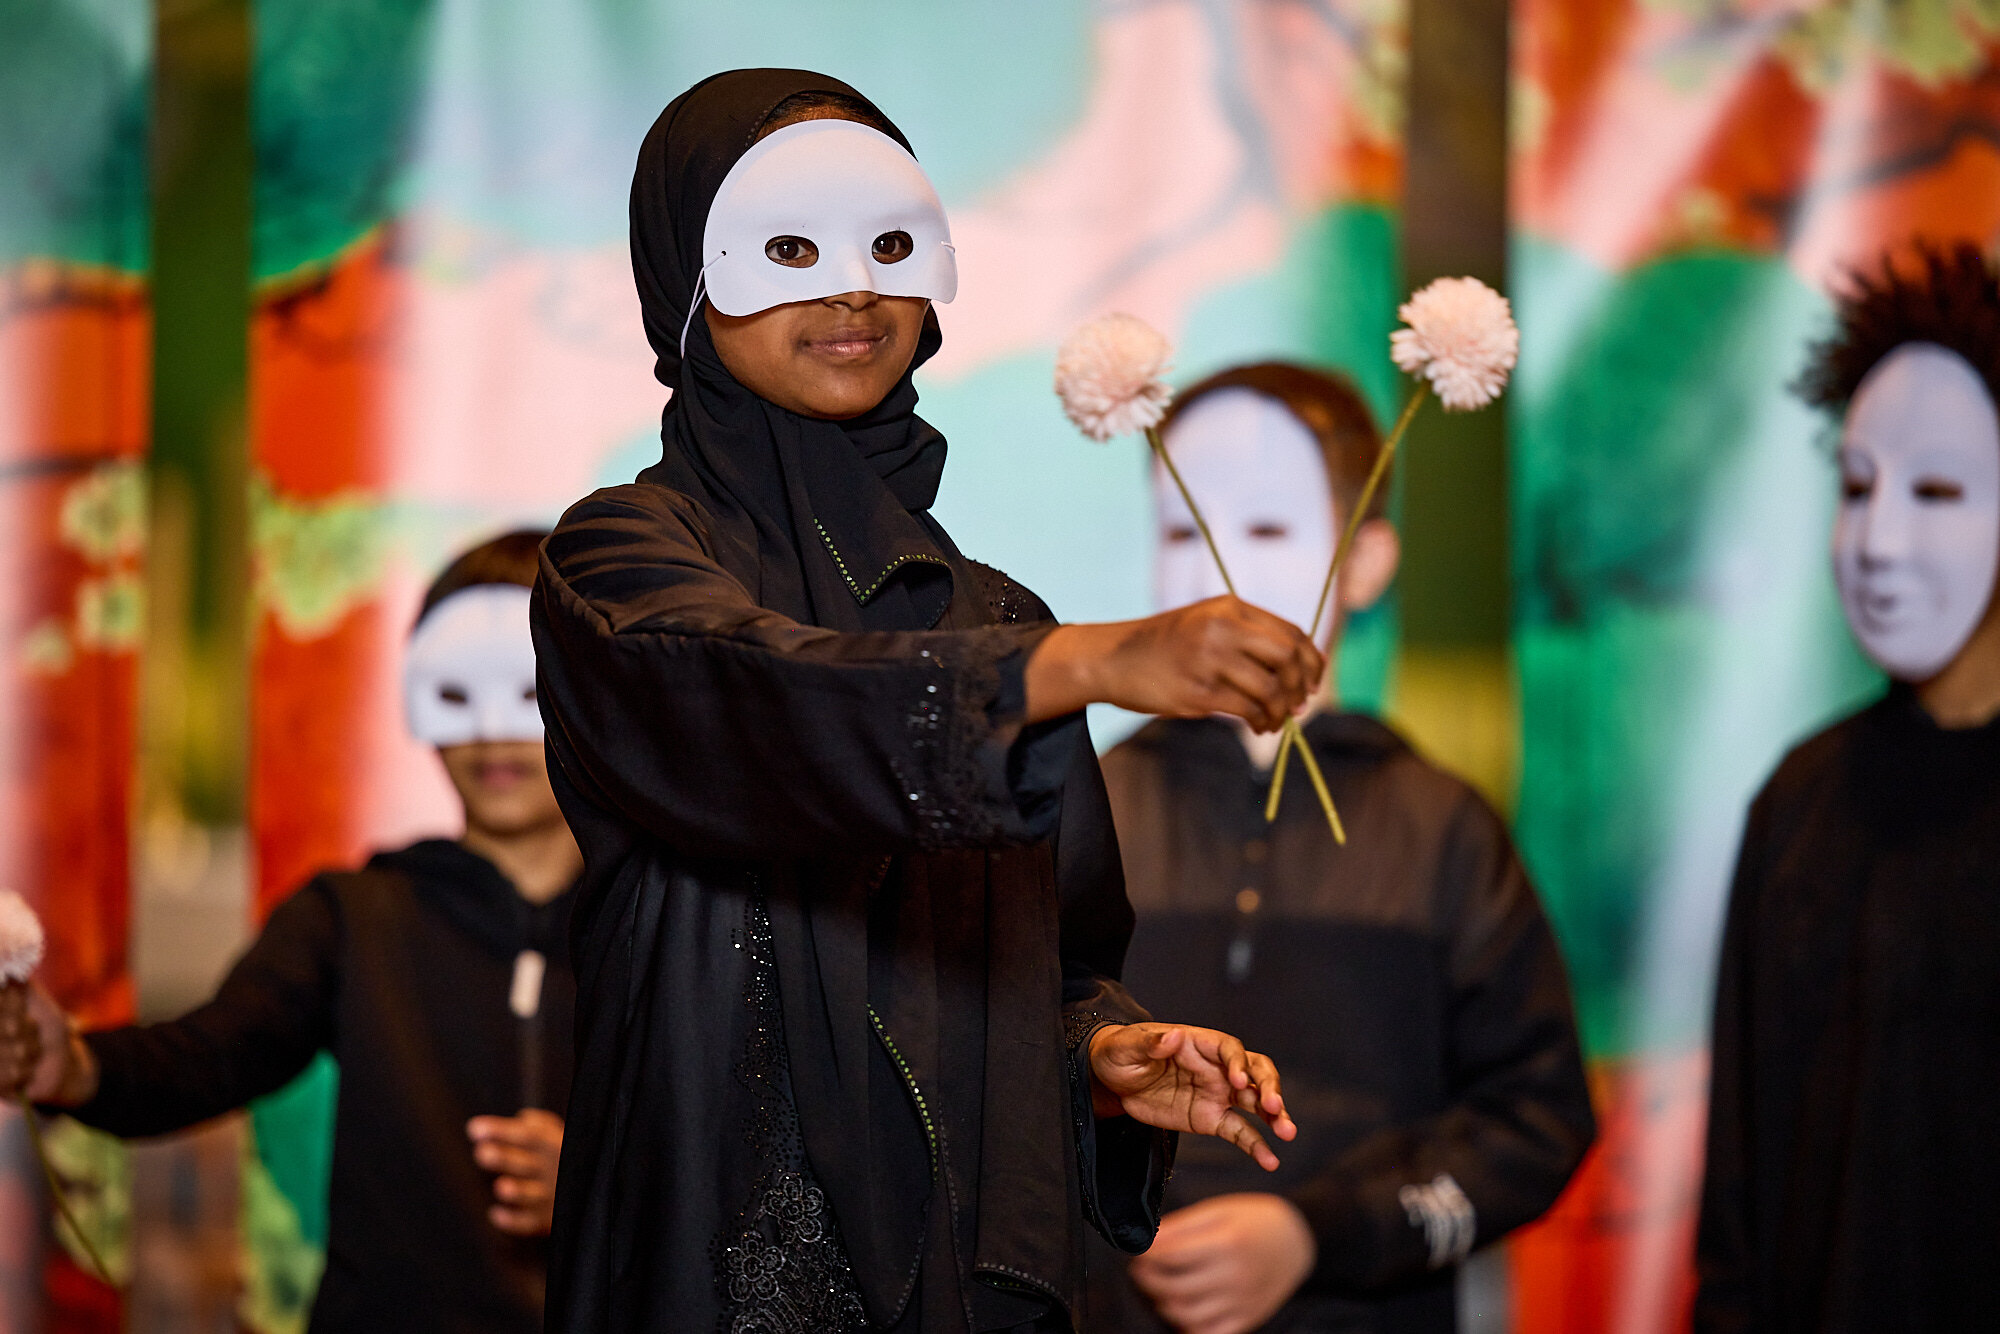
pixel 1123 1163
pixel 726 730
pixel 1724 1256
pixel 273 1012
pixel 1421 1196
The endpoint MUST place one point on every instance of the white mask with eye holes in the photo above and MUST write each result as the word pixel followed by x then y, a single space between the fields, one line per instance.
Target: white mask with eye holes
pixel 469 671
pixel 820 208
pixel 1260 478
pixel 1917 543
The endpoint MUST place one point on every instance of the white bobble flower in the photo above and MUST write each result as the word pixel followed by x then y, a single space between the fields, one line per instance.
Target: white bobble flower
pixel 1108 376
pixel 21 940
pixel 1462 338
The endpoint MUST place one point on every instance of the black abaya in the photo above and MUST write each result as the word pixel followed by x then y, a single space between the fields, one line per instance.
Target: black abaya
pixel 846 921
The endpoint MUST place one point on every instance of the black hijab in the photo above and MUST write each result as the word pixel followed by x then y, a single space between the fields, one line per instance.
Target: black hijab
pixel 830 515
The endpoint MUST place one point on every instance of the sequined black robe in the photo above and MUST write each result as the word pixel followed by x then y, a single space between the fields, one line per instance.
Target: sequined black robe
pixel 844 923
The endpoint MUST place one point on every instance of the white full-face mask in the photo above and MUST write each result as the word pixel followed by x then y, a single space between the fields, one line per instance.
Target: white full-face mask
pixel 851 192
pixel 469 671
pixel 1917 543
pixel 1259 476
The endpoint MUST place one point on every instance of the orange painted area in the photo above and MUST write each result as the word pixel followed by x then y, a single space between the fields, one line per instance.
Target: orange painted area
pixel 317 382
pixel 309 768
pixel 74 382
pixel 1615 1255
pixel 317 376
pixel 1647 132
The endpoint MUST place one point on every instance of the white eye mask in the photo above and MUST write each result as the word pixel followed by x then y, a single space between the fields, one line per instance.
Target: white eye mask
pixel 469 672
pixel 1259 476
pixel 1917 542
pixel 840 185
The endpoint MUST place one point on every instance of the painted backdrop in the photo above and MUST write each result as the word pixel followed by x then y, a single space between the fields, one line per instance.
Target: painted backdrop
pixel 446 341
pixel 1690 176
pixel 74 349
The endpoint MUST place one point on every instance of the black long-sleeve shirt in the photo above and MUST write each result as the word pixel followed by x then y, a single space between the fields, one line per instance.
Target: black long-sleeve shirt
pixel 1853 1179
pixel 402 971
pixel 1407 985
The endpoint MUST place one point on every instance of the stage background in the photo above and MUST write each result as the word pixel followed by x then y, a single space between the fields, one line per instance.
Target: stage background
pixel 1689 179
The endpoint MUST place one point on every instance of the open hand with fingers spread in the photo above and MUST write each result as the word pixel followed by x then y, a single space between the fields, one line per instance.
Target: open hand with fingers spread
pixel 1178 1077
pixel 522 1151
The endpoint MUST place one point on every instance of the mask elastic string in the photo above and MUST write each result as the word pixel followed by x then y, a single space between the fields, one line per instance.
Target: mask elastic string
pixel 694 303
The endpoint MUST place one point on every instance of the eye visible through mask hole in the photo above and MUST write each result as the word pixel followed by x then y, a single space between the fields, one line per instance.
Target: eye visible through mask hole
pixel 794 252
pixel 454 694
pixel 893 247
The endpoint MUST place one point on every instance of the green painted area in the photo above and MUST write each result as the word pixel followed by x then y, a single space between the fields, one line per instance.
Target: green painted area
pixel 1676 625
pixel 293 1133
pixel 75 87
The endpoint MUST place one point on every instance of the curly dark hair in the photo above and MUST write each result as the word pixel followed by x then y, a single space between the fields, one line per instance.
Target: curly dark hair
pixel 511 558
pixel 1949 295
pixel 1329 405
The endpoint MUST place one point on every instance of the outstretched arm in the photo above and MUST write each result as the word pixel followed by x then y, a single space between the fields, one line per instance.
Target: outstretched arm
pixel 271 1014
pixel 812 742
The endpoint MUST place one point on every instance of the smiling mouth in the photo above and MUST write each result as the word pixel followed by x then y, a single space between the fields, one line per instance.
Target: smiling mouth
pixel 847 344
pixel 500 773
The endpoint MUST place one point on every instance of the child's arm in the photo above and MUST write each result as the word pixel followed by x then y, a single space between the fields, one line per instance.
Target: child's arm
pixel 727 730
pixel 272 1013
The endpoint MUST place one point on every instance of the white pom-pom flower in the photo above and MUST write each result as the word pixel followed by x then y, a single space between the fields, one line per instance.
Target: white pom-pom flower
pixel 1108 376
pixel 1462 338
pixel 20 938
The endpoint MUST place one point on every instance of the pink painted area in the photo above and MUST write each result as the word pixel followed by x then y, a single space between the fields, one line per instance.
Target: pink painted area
pixel 1182 175
pixel 512 374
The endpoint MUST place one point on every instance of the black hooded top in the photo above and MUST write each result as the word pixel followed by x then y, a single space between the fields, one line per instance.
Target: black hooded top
pixel 845 920
pixel 401 971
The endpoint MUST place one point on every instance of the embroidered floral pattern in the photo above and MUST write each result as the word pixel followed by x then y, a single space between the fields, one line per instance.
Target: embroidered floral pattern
pixel 782 1269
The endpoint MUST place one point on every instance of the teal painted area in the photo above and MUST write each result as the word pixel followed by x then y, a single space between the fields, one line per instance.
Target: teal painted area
pixel 75 90
pixel 1676 625
pixel 526 118
pixel 334 96
pixel 293 1129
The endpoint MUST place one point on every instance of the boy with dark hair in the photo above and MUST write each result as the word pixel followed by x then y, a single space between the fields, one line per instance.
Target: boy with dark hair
pixel 1407 983
pixel 437 976
pixel 1853 1178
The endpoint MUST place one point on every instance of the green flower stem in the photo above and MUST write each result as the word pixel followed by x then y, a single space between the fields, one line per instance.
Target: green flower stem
pixel 34 1123
pixel 1292 736
pixel 1187 497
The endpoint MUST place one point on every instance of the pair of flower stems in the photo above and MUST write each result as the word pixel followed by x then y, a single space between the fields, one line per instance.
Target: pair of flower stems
pixel 1291 736
pixel 57 1195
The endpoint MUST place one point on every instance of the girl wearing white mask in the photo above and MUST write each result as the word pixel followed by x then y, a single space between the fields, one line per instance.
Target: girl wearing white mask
pixel 437 976
pixel 1853 1177
pixel 852 1052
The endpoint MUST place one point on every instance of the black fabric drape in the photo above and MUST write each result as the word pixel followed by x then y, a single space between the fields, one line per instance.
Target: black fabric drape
pixel 838 898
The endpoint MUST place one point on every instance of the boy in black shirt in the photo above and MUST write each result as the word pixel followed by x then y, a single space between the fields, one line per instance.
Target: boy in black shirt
pixel 1407 983
pixel 438 978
